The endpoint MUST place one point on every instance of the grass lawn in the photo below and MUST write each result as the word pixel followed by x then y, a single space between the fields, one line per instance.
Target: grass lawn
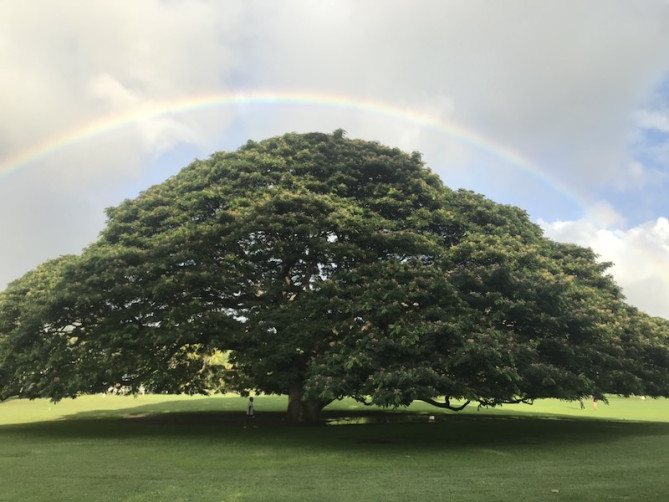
pixel 155 448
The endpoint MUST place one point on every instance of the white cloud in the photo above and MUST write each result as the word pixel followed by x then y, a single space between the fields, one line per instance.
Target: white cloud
pixel 559 81
pixel 556 80
pixel 67 63
pixel 603 215
pixel 41 221
pixel 638 176
pixel 640 257
pixel 110 93
pixel 653 119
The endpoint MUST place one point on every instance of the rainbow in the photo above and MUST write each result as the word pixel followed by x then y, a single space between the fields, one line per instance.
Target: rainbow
pixel 102 125
pixel 158 109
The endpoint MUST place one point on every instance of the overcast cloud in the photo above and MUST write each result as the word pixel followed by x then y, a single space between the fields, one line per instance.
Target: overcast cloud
pixel 578 89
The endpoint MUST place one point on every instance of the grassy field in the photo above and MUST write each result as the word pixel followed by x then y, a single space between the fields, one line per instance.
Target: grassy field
pixel 155 448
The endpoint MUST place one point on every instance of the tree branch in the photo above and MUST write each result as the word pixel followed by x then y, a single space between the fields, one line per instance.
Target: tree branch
pixel 446 404
pixel 495 402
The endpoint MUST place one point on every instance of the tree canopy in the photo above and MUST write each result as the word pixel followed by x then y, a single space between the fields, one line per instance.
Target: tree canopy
pixel 326 267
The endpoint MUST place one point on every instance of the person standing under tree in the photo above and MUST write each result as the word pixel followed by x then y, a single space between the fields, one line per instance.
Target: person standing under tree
pixel 250 413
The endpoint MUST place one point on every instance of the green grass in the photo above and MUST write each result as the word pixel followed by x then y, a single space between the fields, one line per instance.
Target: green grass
pixel 155 448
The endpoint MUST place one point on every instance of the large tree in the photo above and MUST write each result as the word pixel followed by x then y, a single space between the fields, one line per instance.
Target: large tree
pixel 327 267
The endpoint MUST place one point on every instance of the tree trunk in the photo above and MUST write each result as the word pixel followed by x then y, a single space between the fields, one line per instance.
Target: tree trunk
pixel 302 412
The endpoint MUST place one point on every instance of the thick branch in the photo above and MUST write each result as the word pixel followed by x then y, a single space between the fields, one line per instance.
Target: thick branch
pixel 495 402
pixel 446 404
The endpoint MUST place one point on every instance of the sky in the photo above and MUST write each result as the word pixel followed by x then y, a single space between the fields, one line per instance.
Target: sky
pixel 560 107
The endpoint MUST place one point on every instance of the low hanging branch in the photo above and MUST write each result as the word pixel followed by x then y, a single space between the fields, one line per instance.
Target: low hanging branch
pixel 496 402
pixel 446 404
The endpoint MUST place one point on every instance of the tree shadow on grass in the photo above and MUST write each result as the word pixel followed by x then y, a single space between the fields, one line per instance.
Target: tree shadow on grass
pixel 364 429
